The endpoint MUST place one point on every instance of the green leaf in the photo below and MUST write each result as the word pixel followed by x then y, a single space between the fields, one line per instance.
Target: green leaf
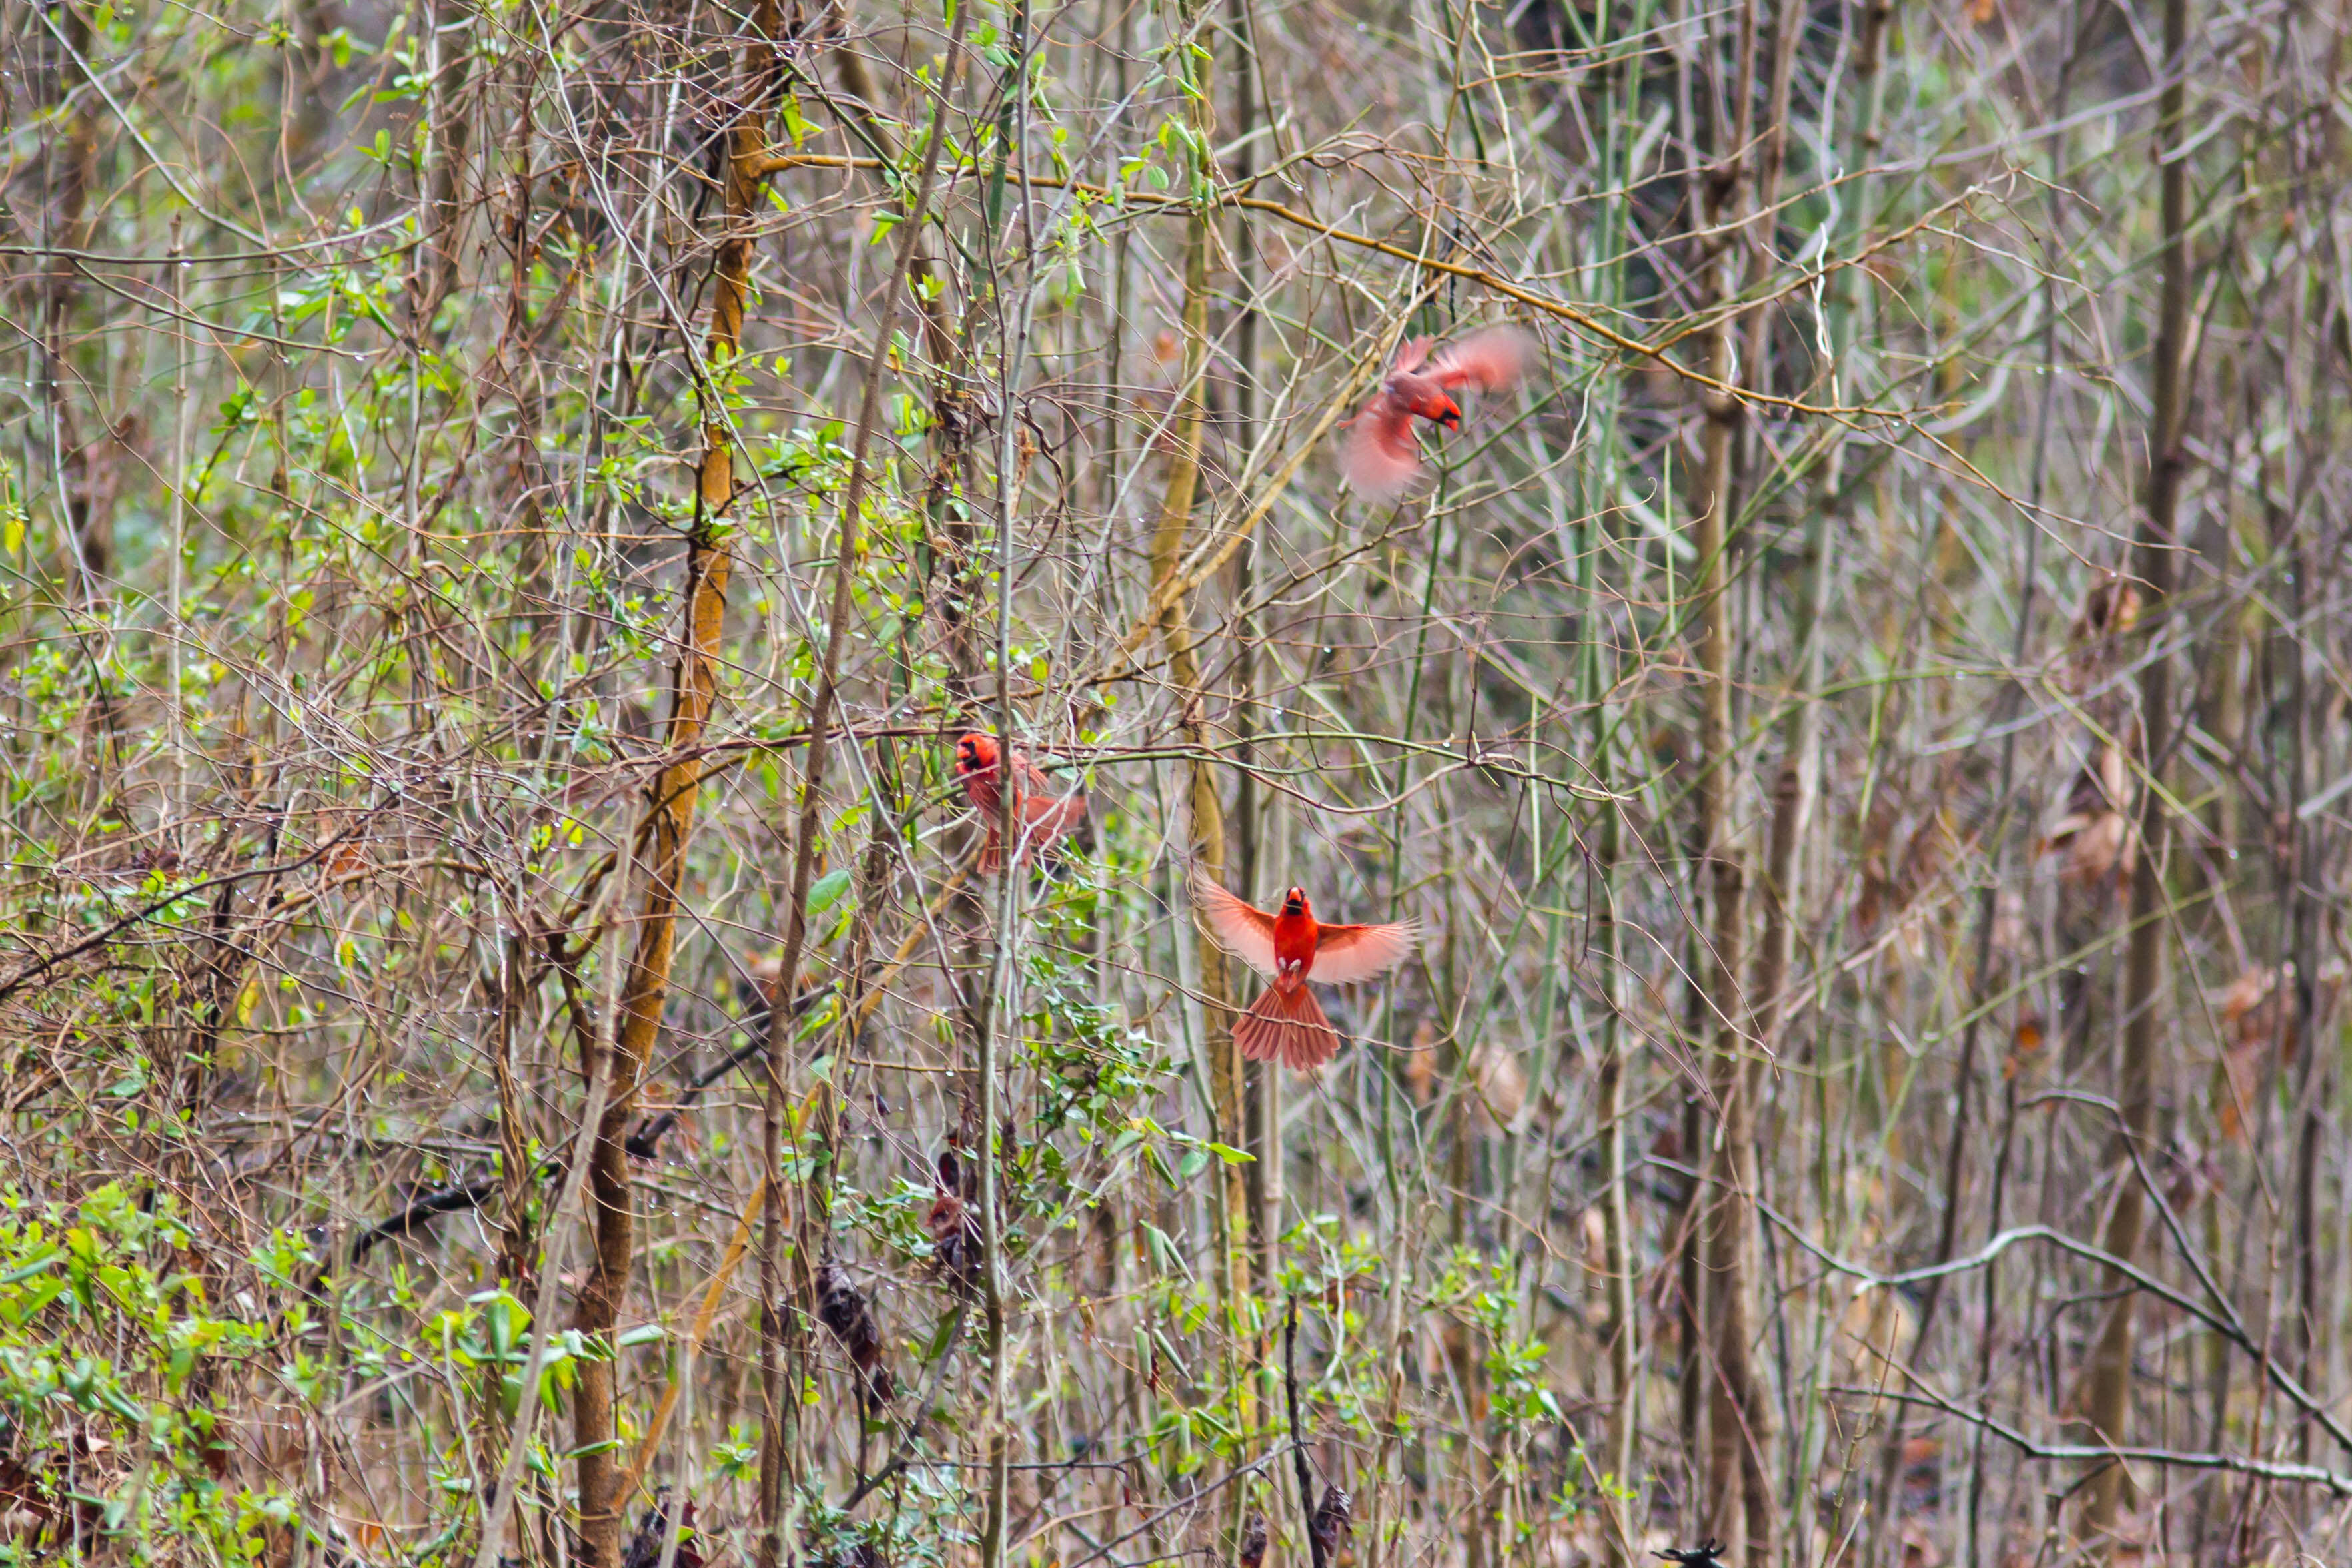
pixel 37 1266
pixel 827 891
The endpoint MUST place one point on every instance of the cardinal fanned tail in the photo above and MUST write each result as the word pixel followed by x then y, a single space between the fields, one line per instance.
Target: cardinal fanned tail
pixel 1288 1028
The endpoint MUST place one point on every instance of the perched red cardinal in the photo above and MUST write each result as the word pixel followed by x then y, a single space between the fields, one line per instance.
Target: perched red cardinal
pixel 1383 453
pixel 1041 815
pixel 1287 1023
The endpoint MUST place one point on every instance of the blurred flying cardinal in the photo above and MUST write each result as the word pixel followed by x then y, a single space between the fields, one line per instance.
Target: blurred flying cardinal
pixel 1383 453
pixel 1287 1023
pixel 1042 815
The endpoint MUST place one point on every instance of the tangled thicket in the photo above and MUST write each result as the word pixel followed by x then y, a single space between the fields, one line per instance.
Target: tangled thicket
pixel 512 1056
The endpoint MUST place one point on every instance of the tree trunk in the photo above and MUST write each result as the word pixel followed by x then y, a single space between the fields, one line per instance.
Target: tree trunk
pixel 87 494
pixel 670 822
pixel 1207 809
pixel 1737 1505
pixel 2107 1409
pixel 1262 1080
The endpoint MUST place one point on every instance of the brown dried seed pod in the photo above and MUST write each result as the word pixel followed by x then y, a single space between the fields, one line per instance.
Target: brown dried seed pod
pixel 1334 1517
pixel 843 1310
pixel 1253 1543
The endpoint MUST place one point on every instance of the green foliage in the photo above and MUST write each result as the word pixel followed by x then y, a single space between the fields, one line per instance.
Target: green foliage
pixel 117 1380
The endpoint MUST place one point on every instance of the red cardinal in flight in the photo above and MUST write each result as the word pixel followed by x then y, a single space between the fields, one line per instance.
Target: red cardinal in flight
pixel 1041 815
pixel 1287 1023
pixel 1383 453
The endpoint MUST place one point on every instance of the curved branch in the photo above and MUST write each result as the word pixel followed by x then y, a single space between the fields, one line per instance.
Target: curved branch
pixel 2226 1327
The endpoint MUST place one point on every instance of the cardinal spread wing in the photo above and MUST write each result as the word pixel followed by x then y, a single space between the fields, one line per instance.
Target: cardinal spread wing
pixel 1381 457
pixel 1345 952
pixel 1246 933
pixel 1410 354
pixel 1494 357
